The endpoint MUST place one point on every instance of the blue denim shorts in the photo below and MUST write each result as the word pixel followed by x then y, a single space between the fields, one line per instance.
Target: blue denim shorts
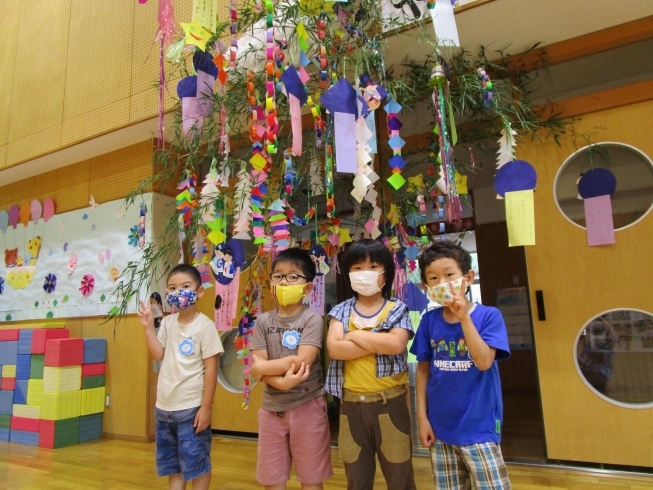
pixel 178 448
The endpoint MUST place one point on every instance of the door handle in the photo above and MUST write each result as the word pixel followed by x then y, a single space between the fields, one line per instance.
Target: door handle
pixel 539 299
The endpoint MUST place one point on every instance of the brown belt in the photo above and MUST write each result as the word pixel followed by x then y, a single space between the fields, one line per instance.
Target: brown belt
pixel 384 396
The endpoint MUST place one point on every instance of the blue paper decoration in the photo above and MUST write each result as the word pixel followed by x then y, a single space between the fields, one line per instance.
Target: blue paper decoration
pixel 517 175
pixel 597 182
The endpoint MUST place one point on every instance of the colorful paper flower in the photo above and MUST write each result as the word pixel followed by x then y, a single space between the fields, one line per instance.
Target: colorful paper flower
pixel 133 236
pixel 50 283
pixel 2 285
pixel 87 285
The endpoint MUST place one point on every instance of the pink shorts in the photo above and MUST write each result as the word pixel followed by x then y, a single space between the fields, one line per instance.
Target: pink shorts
pixel 301 435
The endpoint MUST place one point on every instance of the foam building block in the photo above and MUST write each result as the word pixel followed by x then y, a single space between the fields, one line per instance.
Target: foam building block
pixel 95 350
pixel 92 381
pixel 59 433
pixel 25 424
pixel 6 402
pixel 93 369
pixel 9 370
pixel 27 412
pixel 8 352
pixel 9 334
pixel 92 401
pixel 8 384
pixel 5 421
pixel 4 435
pixel 59 406
pixel 40 336
pixel 23 366
pixel 36 366
pixel 90 427
pixel 23 437
pixel 34 392
pixel 25 341
pixel 66 378
pixel 20 393
pixel 64 352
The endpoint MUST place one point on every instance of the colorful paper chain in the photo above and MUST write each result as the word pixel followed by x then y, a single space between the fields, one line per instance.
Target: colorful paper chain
pixel 321 35
pixel 488 90
pixel 233 13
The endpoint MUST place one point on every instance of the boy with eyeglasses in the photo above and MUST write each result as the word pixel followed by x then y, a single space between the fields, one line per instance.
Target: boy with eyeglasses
pixel 293 422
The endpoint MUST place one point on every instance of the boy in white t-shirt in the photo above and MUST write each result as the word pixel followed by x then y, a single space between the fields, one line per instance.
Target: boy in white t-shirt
pixel 189 345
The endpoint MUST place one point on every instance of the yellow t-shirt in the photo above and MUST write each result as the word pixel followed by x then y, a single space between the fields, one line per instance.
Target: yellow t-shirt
pixel 360 374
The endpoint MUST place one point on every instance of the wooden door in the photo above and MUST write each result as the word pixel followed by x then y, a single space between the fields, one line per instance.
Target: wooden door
pixel 579 282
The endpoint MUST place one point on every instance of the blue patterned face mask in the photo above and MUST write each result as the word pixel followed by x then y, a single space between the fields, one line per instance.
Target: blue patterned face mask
pixel 182 298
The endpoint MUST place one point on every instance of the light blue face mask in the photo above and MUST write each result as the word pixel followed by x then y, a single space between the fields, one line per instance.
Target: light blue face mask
pixel 182 298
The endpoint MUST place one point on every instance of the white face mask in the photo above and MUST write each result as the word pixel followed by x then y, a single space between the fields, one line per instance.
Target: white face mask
pixel 365 282
pixel 442 292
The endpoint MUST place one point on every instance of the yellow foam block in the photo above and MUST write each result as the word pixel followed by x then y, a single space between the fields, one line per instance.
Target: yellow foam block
pixel 62 405
pixel 58 379
pixel 92 401
pixel 27 412
pixel 9 371
pixel 34 391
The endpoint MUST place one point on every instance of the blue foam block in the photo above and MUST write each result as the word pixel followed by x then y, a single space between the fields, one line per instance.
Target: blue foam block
pixel 22 366
pixel 25 341
pixel 90 427
pixel 8 352
pixel 23 437
pixel 95 350
pixel 6 402
pixel 20 394
pixel 4 435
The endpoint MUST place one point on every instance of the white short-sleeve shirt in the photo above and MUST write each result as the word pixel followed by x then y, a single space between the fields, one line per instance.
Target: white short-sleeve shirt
pixel 181 379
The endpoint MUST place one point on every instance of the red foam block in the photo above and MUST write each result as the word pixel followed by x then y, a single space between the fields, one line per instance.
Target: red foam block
pixel 9 334
pixel 8 384
pixel 93 369
pixel 64 352
pixel 22 423
pixel 46 433
pixel 41 335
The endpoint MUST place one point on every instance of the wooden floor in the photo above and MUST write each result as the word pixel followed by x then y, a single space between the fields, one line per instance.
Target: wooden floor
pixel 112 464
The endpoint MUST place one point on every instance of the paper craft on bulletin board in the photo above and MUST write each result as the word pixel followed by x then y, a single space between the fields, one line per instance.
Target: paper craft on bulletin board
pixel 67 265
pixel 513 304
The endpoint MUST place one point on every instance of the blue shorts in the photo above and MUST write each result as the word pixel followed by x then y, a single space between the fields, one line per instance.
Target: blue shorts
pixel 178 448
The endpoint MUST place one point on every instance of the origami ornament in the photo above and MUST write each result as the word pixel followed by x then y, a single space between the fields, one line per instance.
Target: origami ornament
pixel 297 97
pixel 196 34
pixel 507 142
pixel 340 101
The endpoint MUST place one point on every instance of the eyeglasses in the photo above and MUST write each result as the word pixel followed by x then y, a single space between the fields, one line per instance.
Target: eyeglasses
pixel 277 277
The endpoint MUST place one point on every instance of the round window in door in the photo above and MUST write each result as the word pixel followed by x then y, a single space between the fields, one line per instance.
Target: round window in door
pixel 230 369
pixel 614 357
pixel 633 170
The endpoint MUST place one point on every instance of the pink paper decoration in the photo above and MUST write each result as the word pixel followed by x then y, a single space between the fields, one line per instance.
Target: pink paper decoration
pixel 48 208
pixel 37 209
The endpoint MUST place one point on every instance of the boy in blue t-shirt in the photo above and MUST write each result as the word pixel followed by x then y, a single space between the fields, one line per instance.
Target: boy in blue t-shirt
pixel 459 405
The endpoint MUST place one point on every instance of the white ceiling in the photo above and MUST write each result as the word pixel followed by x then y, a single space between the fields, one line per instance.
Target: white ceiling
pixel 498 24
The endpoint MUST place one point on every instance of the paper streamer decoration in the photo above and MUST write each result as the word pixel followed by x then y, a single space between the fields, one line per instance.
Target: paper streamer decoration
pixel 444 23
pixel 316 296
pixel 392 108
pixel 297 97
pixel 507 142
pixel 202 259
pixel 596 186
pixel 340 100
pixel 141 224
pixel 440 85
pixel 520 218
pixel 279 226
pixel 245 328
pixel 185 200
pixel 206 13
pixel 242 197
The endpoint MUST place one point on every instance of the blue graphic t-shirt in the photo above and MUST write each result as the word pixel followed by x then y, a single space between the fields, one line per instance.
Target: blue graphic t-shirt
pixel 464 404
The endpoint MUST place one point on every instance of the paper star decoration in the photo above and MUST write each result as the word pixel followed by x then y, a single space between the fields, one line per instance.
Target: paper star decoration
pixel 196 34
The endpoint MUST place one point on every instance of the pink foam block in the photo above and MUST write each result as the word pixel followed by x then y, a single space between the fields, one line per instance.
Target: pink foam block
pixel 22 423
pixel 64 352
pixel 93 369
pixel 9 334
pixel 8 384
pixel 41 335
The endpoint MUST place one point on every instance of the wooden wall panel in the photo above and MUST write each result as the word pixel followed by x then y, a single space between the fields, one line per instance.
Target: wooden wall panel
pixel 3 156
pixel 578 283
pixel 9 22
pixel 98 62
pixel 127 379
pixel 39 70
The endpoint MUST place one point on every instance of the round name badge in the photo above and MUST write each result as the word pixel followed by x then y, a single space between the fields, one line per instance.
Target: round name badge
pixel 290 339
pixel 186 347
